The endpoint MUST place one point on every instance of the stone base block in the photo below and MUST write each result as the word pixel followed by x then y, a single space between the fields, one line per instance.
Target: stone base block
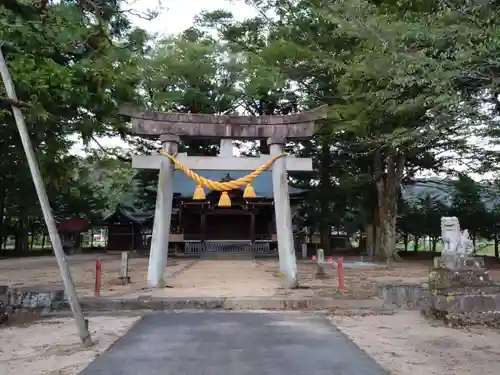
pixel 443 278
pixel 320 272
pixel 459 262
pixel 469 290
pixel 403 295
pixel 35 299
pixel 490 318
pixel 477 303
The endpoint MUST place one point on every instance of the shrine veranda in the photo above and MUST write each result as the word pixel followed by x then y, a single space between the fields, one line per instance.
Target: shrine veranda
pixel 267 216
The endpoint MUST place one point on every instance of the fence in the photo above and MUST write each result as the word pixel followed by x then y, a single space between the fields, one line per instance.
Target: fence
pixel 221 246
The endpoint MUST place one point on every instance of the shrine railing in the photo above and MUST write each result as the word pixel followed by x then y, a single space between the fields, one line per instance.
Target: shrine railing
pixel 229 246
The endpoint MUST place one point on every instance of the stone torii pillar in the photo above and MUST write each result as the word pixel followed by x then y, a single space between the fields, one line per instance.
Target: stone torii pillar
pixel 283 213
pixel 158 254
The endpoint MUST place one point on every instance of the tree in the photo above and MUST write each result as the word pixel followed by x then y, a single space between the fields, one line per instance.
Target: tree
pixel 468 205
pixel 421 218
pixel 74 63
pixel 189 73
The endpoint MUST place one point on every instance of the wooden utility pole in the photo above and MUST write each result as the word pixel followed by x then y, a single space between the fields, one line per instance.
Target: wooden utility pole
pixel 69 287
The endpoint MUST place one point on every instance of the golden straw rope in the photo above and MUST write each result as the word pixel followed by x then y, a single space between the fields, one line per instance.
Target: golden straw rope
pixel 222 186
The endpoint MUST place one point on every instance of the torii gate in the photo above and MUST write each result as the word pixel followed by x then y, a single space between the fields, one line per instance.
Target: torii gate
pixel 170 127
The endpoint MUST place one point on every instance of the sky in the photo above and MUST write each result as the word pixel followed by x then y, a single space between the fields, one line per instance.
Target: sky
pixel 175 16
pixel 178 15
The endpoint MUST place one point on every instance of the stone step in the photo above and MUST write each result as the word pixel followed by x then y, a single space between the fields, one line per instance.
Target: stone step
pixel 490 319
pixel 467 303
pixel 470 290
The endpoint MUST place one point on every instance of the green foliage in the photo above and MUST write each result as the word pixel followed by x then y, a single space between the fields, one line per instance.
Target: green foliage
pixel 408 85
pixel 74 63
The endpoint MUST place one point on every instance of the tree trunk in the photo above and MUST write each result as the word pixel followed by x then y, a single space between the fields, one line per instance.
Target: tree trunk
pixel 77 240
pixel 434 244
pixel 362 242
pixel 324 235
pixel 32 238
pixel 377 245
pixel 387 185
pixel 2 214
pixel 263 147
pixel 377 233
pixel 370 239
pixel 21 245
pixel 405 241
pixel 416 241
pixel 496 243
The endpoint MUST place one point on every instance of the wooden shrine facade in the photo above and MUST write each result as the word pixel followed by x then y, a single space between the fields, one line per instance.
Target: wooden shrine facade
pixel 248 219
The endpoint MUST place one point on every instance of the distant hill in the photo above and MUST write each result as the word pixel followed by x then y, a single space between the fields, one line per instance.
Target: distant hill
pixel 442 190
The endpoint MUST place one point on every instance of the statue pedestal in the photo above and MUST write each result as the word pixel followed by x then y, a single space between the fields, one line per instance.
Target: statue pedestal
pixel 453 262
pixel 462 293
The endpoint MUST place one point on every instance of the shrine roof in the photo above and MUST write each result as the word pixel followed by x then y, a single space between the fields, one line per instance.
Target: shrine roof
pixel 129 213
pixel 263 185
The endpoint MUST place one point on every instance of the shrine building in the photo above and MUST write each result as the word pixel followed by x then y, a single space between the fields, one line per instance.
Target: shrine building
pixel 198 226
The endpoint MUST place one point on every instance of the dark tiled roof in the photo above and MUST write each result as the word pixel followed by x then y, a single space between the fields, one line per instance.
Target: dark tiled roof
pixel 129 213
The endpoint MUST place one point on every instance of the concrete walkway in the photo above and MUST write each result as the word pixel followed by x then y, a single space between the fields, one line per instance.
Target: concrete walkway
pixel 231 343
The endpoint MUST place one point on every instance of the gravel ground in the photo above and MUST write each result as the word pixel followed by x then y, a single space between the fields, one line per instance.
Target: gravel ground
pixel 406 344
pixel 52 347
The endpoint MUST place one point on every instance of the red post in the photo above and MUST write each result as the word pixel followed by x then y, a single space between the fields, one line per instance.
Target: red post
pixel 340 273
pixel 98 272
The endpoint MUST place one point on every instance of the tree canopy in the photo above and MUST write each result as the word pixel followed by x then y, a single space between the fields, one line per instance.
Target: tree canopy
pixel 411 87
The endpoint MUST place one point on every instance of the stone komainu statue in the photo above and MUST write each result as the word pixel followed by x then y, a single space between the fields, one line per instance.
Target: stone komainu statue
pixel 455 241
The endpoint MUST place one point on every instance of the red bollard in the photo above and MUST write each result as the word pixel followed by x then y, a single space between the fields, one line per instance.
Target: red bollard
pixel 98 272
pixel 340 273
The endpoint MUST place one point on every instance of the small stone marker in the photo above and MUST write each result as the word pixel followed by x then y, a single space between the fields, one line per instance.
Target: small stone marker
pixel 320 271
pixel 321 255
pixel 124 277
pixel 304 251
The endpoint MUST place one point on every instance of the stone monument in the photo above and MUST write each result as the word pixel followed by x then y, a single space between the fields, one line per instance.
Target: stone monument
pixel 460 290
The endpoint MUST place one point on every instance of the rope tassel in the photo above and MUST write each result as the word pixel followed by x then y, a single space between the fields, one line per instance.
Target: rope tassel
pixel 224 200
pixel 249 192
pixel 199 193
